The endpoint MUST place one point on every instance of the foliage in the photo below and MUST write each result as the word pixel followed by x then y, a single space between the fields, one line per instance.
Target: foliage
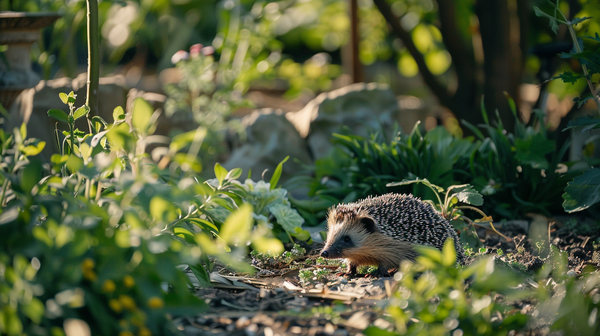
pixel 360 167
pixel 516 172
pixel 98 233
pixel 432 299
pixel 519 172
pixel 199 99
pixel 582 192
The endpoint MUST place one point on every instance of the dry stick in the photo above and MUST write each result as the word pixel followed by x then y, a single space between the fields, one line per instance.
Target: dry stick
pixel 484 215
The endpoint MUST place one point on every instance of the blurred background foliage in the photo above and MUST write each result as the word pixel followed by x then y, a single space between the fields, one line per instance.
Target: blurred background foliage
pixel 459 47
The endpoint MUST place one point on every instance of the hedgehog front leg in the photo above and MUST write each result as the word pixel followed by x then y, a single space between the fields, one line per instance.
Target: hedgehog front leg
pixel 351 268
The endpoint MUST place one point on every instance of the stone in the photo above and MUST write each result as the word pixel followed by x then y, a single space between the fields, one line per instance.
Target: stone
pixel 270 138
pixel 361 108
pixel 33 104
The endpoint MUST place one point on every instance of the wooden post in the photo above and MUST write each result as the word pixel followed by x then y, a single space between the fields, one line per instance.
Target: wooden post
pixel 355 67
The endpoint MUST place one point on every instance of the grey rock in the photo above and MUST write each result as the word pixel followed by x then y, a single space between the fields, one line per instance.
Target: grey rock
pixel 362 108
pixel 270 138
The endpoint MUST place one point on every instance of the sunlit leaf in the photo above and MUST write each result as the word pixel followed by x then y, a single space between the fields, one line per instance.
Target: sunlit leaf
pixel 448 253
pixel 277 173
pixel 220 173
pixel 236 228
pixel 34 149
pixel 80 112
pixel 118 114
pixel 64 98
pixel 467 194
pixel 287 217
pixel 141 114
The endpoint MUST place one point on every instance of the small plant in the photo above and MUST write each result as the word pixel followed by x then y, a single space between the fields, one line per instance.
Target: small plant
pixel 432 299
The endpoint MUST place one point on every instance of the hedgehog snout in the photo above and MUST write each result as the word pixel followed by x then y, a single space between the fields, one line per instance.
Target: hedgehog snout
pixel 325 254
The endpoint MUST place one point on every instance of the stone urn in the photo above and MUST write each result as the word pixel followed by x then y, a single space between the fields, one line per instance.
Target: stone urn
pixel 19 31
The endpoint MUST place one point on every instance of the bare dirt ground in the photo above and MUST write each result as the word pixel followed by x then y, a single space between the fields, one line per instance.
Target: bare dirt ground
pixel 281 304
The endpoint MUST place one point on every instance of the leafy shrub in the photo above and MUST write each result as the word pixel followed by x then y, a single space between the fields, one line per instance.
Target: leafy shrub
pixel 519 172
pixel 432 299
pixel 98 234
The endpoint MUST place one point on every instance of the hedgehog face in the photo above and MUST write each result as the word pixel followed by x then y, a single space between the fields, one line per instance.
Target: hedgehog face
pixel 347 232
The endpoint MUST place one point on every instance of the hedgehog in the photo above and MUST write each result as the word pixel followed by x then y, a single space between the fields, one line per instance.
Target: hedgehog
pixel 382 231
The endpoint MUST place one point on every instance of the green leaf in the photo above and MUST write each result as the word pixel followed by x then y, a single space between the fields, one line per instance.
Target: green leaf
pixel 576 21
pixel 587 122
pixel 59 115
pixel 34 149
pixel 203 223
pixel 71 98
pixel 118 114
pixel 277 173
pixel 448 253
pixel 236 228
pixel 466 193
pixel 220 173
pixel 287 217
pixel 265 244
pixel 202 275
pixel 568 77
pixel 141 114
pixel 80 112
pixel 553 22
pixel 581 101
pixel 34 310
pixel 9 215
pixel 30 176
pixel 23 131
pixel 583 191
pixel 532 151
pixel 234 174
pixel 64 98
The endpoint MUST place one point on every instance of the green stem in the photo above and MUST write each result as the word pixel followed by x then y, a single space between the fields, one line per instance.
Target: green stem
pixel 72 139
pixel 93 56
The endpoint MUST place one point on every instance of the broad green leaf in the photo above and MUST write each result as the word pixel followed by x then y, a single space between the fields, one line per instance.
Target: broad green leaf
pixel 34 149
pixel 71 98
pixel 74 163
pixel 532 151
pixel 203 223
pixel 287 217
pixel 220 173
pixel 277 173
pixel 264 244
pixel 162 209
pixel 448 253
pixel 9 215
pixel 141 114
pixel 568 77
pixel 34 310
pixel 59 115
pixel 234 174
pixel 120 138
pixel 583 191
pixel 466 193
pixel 236 229
pixel 63 98
pixel 202 275
pixel 23 131
pixel 80 112
pixel 118 114
pixel 30 175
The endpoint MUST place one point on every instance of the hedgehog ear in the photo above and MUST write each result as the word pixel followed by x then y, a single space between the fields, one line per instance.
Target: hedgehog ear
pixel 369 224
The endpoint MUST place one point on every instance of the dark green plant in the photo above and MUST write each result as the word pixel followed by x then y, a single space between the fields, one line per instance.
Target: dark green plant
pixel 360 167
pixel 519 171
pixel 582 192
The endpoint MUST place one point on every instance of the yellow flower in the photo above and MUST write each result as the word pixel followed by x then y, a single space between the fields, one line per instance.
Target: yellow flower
pixel 155 302
pixel 126 333
pixel 109 286
pixel 128 281
pixel 144 332
pixel 127 302
pixel 87 264
pixel 115 305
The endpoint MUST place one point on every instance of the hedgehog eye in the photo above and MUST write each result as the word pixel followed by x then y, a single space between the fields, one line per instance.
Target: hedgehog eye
pixel 346 239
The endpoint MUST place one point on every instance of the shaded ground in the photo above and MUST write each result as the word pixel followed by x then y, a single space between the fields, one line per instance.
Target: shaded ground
pixel 279 303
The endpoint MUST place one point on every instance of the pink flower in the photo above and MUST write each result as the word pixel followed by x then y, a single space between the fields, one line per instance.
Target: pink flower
pixel 195 50
pixel 179 56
